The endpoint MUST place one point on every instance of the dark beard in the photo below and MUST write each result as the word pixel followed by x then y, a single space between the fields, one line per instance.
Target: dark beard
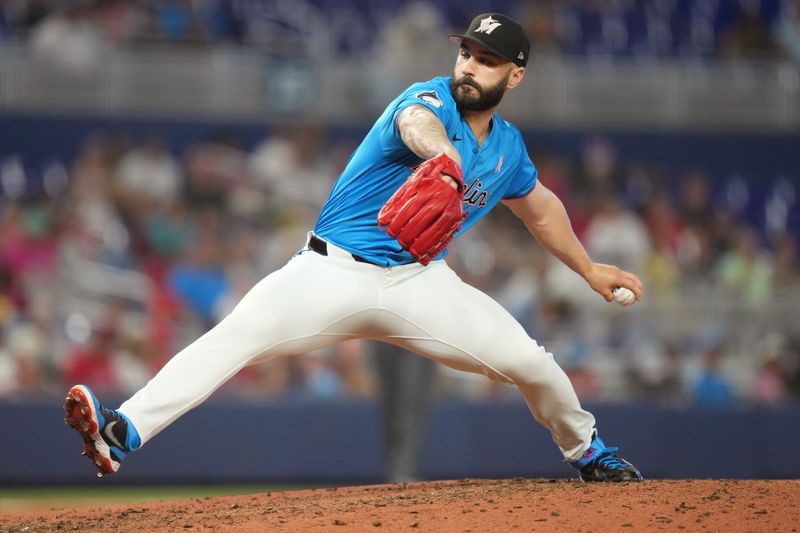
pixel 486 99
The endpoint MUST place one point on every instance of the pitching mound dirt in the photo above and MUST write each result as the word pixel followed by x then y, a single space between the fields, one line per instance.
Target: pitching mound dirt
pixel 454 506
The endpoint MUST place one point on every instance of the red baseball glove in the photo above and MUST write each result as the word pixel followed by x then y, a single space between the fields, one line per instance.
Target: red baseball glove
pixel 425 213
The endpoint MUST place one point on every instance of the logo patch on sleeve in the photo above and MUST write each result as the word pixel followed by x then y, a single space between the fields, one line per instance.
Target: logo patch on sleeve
pixel 430 97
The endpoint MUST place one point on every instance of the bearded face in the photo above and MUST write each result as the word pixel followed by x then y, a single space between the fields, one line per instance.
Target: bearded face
pixel 471 96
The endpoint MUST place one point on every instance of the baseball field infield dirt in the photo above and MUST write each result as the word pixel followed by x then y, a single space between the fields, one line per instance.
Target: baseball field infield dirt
pixel 453 506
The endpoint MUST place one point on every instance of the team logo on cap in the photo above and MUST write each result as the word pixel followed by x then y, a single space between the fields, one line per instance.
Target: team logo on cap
pixel 488 25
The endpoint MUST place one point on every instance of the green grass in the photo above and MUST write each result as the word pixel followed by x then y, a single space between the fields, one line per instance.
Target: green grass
pixel 32 498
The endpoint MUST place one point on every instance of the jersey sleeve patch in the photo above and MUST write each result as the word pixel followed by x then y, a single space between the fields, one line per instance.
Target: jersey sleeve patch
pixel 429 97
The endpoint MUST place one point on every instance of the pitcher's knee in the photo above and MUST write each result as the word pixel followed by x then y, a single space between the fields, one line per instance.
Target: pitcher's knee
pixel 527 366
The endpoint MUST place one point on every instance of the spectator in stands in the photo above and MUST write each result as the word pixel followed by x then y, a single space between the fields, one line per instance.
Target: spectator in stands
pixel 599 171
pixel 556 170
pixel 166 235
pixel 655 370
pixel 616 235
pixel 224 21
pixel 749 36
pixel 135 360
pixel 218 177
pixel 177 21
pixel 22 359
pixel 769 386
pixel 712 389
pixel 28 240
pixel 782 307
pixel 542 27
pixel 96 224
pixel 215 168
pixel 410 38
pixel 8 369
pixel 351 363
pixel 148 177
pixel 121 20
pixel 13 299
pixel 723 232
pixel 68 42
pixel 695 255
pixel 787 262
pixel 5 25
pixel 663 223
pixel 200 280
pixel 663 273
pixel 746 270
pixel 318 378
pixel 576 364
pixel 273 379
pixel 24 16
pixel 791 364
pixel 667 235
pixel 789 30
pixel 292 167
pixel 243 263
pixel 93 363
pixel 643 182
pixel 695 199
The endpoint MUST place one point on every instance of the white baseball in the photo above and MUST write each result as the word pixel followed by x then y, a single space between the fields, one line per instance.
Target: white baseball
pixel 623 296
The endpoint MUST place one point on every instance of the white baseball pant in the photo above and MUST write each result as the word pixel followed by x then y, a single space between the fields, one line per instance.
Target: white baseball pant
pixel 315 301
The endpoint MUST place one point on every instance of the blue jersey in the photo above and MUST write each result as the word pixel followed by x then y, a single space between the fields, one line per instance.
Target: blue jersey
pixel 498 169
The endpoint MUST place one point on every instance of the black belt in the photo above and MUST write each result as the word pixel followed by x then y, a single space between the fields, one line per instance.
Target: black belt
pixel 321 247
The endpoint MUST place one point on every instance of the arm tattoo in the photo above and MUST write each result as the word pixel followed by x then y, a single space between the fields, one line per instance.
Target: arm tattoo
pixel 424 133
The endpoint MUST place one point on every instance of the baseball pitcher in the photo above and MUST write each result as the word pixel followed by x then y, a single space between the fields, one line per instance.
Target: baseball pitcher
pixel 438 159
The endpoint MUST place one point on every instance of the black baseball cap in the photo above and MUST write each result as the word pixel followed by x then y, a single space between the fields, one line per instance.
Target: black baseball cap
pixel 500 34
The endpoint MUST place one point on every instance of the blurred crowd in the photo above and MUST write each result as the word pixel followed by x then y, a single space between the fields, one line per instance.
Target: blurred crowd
pixel 692 29
pixel 112 262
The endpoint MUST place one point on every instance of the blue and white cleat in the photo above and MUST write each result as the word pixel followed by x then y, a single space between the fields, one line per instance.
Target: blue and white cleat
pixel 107 434
pixel 601 463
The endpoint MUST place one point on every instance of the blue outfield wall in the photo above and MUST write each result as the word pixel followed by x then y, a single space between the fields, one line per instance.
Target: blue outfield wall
pixel 341 443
